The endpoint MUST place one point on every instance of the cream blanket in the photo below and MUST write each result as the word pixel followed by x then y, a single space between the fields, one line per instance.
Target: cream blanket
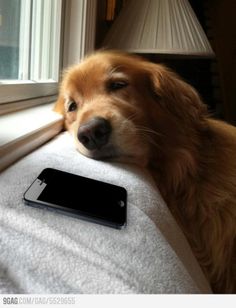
pixel 45 252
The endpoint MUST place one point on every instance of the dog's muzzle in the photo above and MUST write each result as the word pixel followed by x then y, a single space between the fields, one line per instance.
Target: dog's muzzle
pixel 95 133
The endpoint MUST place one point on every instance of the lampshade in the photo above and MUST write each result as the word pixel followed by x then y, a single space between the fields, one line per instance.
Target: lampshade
pixel 158 26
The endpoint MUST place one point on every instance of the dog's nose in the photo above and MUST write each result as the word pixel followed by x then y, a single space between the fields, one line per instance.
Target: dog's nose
pixel 95 133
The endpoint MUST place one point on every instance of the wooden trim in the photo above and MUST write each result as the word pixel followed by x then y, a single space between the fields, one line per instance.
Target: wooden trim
pixel 17 106
pixel 13 151
pixel 23 131
pixel 22 91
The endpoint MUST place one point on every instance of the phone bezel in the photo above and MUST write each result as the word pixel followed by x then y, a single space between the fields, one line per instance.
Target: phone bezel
pixel 37 187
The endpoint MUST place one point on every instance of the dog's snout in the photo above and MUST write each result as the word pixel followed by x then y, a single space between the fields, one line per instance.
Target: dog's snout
pixel 95 133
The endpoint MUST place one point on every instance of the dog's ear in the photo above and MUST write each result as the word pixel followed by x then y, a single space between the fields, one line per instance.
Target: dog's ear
pixel 59 105
pixel 174 94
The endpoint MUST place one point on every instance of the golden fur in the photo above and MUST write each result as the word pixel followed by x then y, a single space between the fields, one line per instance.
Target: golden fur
pixel 159 122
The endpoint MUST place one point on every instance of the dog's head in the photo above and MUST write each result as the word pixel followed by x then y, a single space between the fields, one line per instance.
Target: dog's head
pixel 122 107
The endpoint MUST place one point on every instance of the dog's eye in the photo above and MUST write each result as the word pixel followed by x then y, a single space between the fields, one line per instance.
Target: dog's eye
pixel 117 85
pixel 72 106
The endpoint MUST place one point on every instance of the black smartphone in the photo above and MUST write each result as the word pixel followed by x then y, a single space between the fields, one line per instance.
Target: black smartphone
pixel 80 197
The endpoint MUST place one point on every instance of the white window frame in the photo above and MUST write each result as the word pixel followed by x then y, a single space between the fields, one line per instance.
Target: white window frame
pixel 79 34
pixel 24 40
pixel 44 60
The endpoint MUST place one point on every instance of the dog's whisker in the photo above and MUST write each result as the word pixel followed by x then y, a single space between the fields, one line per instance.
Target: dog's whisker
pixel 131 117
pixel 148 139
pixel 148 130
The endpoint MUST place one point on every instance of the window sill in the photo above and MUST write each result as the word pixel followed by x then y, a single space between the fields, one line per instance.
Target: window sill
pixel 23 131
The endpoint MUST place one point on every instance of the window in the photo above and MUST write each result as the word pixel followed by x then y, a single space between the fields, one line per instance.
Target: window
pixel 9 39
pixel 30 40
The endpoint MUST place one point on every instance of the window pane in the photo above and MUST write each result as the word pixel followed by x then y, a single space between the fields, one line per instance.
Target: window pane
pixel 30 39
pixel 9 38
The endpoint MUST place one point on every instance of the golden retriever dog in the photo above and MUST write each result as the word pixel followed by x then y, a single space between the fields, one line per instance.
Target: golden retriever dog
pixel 122 107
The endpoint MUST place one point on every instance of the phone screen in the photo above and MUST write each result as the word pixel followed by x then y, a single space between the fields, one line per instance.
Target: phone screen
pixel 84 196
